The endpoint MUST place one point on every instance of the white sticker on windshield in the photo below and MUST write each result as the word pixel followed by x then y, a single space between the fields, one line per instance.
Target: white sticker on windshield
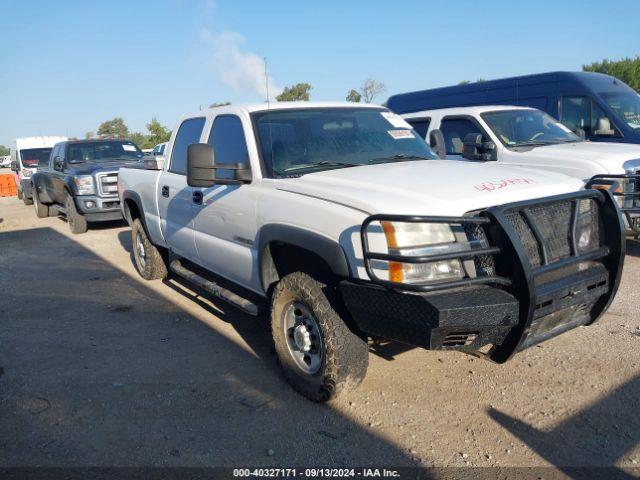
pixel 563 127
pixel 128 148
pixel 396 120
pixel 399 134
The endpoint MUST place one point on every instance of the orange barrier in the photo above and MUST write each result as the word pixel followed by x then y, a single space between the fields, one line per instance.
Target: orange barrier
pixel 7 185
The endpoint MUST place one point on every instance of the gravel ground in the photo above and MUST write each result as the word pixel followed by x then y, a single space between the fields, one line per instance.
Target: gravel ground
pixel 99 367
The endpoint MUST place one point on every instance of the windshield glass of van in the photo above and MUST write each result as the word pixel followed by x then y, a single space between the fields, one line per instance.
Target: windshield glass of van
pixel 103 151
pixel 300 141
pixel 517 128
pixel 32 157
pixel 626 105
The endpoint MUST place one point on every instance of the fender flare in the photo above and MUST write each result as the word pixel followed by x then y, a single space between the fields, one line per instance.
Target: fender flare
pixel 326 248
pixel 37 180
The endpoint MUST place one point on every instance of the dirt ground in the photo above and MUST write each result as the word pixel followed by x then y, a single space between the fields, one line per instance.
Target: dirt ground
pixel 100 368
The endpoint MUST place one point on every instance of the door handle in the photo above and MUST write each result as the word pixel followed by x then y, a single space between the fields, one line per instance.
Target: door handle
pixel 197 197
pixel 165 191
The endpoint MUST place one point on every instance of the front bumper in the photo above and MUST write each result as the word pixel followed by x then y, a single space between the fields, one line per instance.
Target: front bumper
pixel 524 302
pixel 99 209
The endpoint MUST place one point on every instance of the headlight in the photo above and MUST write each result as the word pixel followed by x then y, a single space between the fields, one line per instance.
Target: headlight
pixel 84 185
pixel 419 239
pixel 587 226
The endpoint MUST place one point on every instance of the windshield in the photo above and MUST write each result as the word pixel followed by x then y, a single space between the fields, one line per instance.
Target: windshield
pixel 301 141
pixel 528 127
pixel 626 105
pixel 103 151
pixel 33 157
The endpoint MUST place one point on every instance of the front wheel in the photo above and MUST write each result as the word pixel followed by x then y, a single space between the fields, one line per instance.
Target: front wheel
pixel 319 354
pixel 77 222
pixel 42 210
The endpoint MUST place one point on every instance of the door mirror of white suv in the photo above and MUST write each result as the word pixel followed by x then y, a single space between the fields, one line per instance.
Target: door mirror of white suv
pixel 474 148
pixel 14 166
pixel 203 171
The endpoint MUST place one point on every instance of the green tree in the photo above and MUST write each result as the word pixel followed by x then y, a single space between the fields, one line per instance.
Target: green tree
pixel 141 140
pixel 371 88
pixel 4 151
pixel 115 128
pixel 158 133
pixel 627 70
pixel 353 96
pixel 299 91
pixel 224 104
pixel 464 82
pixel 88 135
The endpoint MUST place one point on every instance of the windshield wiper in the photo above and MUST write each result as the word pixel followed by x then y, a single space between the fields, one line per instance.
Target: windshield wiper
pixel 532 143
pixel 399 156
pixel 323 163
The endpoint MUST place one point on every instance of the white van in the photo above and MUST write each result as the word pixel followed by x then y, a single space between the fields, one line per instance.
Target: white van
pixel 26 154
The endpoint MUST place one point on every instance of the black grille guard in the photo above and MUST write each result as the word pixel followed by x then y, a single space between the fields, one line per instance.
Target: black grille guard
pixel 613 182
pixel 510 258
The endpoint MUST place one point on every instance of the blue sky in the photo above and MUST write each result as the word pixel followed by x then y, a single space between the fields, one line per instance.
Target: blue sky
pixel 69 65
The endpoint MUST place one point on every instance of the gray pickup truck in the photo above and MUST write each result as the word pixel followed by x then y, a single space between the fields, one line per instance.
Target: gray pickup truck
pixel 341 224
pixel 80 181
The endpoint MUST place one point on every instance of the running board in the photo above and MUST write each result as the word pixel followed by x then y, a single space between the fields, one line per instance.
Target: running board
pixel 213 288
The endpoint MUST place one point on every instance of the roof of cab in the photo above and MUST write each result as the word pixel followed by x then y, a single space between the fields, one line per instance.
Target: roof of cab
pixel 464 110
pixel 264 106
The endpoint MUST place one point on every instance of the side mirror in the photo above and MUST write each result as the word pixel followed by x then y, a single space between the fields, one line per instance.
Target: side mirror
pixel 203 171
pixel 474 148
pixel 57 163
pixel 14 166
pixel 581 133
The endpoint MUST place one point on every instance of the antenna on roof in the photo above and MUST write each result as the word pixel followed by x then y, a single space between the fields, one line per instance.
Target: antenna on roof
pixel 266 80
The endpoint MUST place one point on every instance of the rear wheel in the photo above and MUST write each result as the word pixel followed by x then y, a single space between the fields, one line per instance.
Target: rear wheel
pixel 77 222
pixel 22 196
pixel 149 260
pixel 319 354
pixel 42 210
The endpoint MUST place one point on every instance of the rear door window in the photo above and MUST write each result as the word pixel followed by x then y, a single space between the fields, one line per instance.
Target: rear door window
pixel 454 130
pixel 188 134
pixel 420 125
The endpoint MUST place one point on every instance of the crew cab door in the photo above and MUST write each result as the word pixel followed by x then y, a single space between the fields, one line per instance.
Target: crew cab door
pixel 175 197
pixel 225 222
pixel 55 178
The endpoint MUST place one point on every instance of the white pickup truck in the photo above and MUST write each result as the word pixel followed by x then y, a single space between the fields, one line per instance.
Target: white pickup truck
pixel 339 222
pixel 528 137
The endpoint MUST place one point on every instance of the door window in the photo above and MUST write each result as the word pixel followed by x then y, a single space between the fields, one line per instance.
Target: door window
pixel 582 112
pixel 454 130
pixel 229 144
pixel 188 134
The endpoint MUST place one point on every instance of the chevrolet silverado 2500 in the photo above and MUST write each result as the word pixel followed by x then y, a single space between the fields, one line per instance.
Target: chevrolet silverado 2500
pixel 341 223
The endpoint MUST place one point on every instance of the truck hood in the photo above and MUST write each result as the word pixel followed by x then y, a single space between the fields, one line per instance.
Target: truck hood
pixel 612 157
pixel 430 187
pixel 89 168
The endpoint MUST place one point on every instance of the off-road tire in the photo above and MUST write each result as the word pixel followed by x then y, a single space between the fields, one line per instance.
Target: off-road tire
pixel 42 210
pixel 346 355
pixel 154 266
pixel 25 200
pixel 77 222
pixel 19 194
